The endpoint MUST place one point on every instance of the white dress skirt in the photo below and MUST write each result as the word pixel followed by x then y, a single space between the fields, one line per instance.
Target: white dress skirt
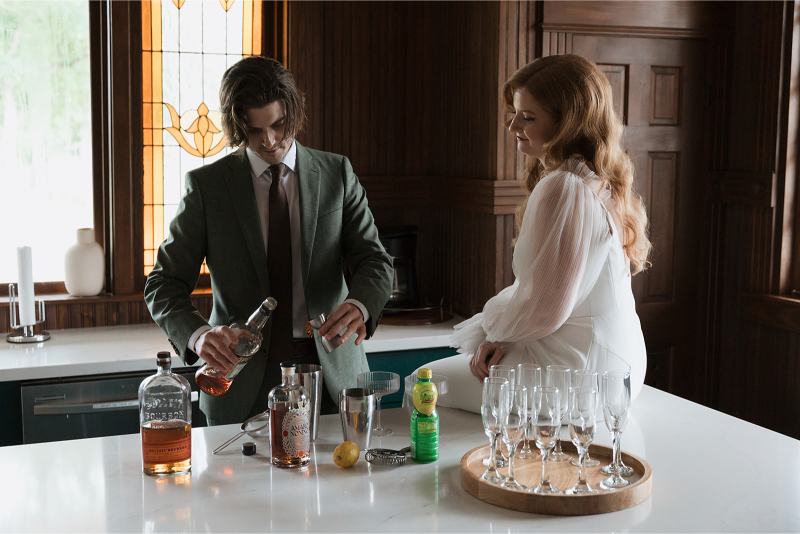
pixel 571 303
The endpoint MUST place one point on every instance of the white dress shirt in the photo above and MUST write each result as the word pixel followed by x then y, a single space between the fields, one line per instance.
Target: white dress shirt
pixel 262 179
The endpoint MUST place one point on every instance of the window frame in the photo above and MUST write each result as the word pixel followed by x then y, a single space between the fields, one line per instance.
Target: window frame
pixel 788 233
pixel 117 140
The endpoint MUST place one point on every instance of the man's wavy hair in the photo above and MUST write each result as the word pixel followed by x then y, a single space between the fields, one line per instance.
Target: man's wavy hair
pixel 578 97
pixel 255 82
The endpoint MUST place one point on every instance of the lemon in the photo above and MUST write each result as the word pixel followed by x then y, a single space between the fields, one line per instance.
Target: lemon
pixel 345 454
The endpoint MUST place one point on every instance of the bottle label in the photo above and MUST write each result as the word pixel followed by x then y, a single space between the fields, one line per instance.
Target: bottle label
pixel 424 395
pixel 426 428
pixel 296 432
pixel 167 451
pixel 424 437
pixel 239 366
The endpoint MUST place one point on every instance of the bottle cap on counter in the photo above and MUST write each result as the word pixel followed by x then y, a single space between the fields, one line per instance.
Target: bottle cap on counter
pixel 248 448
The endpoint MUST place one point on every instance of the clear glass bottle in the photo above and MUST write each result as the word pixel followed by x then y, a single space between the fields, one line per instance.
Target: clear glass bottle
pixel 289 408
pixel 165 420
pixel 216 382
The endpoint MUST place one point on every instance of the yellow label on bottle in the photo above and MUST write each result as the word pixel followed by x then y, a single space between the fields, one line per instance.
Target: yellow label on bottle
pixel 425 395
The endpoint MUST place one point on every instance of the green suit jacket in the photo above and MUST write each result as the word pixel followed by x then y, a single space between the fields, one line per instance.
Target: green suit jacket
pixel 218 221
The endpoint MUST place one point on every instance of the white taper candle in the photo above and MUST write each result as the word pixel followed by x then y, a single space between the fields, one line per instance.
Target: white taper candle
pixel 27 309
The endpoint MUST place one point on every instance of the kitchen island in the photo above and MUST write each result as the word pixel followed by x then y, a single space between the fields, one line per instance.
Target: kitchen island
pixel 711 473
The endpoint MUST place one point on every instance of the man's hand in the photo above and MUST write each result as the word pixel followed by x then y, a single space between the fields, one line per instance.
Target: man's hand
pixel 347 316
pixel 214 348
pixel 488 354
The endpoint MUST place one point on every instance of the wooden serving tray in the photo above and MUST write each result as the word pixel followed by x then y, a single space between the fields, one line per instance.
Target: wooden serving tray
pixel 563 475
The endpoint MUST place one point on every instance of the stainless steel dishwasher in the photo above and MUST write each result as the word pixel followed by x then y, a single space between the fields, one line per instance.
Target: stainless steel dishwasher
pixel 89 406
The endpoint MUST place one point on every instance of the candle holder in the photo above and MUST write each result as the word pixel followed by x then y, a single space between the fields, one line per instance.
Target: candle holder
pixel 27 335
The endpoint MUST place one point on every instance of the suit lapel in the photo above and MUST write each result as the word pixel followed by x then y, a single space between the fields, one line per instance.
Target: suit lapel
pixel 243 198
pixel 308 180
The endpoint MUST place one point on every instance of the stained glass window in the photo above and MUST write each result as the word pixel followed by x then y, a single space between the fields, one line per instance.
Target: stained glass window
pixel 186 48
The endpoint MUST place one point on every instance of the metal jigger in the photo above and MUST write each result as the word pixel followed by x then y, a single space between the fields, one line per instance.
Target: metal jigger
pixel 27 335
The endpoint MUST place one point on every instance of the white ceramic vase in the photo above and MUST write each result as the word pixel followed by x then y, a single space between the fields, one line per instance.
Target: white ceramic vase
pixel 84 266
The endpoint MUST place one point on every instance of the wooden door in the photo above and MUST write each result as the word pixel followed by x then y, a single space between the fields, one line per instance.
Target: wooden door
pixel 660 92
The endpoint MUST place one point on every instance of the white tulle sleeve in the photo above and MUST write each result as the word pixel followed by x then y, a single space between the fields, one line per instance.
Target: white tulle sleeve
pixel 552 264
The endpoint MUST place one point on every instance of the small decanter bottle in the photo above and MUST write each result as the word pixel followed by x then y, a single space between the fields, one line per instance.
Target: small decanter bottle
pixel 289 408
pixel 165 419
pixel 215 382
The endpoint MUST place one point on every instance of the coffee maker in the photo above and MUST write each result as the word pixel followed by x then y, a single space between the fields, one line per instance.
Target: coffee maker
pixel 401 243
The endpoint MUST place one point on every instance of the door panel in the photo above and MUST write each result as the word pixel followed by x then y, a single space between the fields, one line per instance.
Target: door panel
pixel 660 91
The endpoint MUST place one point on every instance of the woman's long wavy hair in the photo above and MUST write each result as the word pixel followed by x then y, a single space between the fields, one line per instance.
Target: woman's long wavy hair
pixel 578 97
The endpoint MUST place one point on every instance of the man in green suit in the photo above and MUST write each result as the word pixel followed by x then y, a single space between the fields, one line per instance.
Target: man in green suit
pixel 272 219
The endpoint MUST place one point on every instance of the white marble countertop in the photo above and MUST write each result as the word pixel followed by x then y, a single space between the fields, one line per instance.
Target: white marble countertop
pixel 711 473
pixel 115 349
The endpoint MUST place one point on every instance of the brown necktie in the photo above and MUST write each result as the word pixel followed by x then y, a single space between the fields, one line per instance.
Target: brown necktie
pixel 279 264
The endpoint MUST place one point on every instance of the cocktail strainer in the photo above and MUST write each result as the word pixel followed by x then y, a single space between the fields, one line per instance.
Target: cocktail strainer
pixel 255 427
pixel 387 456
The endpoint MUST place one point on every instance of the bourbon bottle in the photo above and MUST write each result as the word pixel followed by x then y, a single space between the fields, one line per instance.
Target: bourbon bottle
pixel 216 382
pixel 289 408
pixel 165 419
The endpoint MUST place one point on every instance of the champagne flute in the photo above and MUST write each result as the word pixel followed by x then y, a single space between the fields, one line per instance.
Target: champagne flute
pixel 514 417
pixel 490 414
pixel 502 371
pixel 587 378
pixel 530 376
pixel 546 423
pixel 506 372
pixel 582 416
pixel 559 377
pixel 616 401
pixel 382 383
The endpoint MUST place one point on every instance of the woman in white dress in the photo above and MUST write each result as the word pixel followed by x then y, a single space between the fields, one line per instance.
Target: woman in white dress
pixel 582 234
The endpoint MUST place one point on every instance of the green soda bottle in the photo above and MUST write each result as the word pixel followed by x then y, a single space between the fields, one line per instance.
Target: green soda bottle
pixel 424 419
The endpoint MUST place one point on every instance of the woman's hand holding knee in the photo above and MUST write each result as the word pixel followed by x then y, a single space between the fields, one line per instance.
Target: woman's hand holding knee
pixel 488 354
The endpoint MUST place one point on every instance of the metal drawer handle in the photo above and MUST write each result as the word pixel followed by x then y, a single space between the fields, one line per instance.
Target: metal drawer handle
pixel 89 407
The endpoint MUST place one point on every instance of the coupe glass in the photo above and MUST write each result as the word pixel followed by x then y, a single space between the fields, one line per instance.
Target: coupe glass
pixel 616 401
pixel 530 376
pixel 490 414
pixel 559 376
pixel 582 416
pixel 587 378
pixel 382 383
pixel 546 424
pixel 513 420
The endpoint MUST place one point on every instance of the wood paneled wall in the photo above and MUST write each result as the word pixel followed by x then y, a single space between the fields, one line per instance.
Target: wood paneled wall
pixel 752 365
pixel 401 89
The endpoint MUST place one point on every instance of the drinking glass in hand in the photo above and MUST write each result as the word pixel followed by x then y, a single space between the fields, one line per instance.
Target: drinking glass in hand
pixel 546 424
pixel 559 376
pixel 616 401
pixel 490 414
pixel 382 383
pixel 587 378
pixel 513 419
pixel 530 376
pixel 582 406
